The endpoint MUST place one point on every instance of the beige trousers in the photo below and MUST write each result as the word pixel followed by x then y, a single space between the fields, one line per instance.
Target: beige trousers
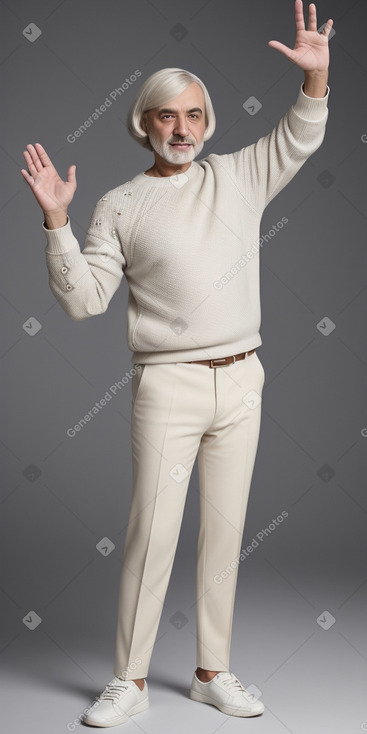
pixel 180 411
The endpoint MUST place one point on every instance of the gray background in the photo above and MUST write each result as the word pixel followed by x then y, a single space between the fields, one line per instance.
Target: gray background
pixel 61 496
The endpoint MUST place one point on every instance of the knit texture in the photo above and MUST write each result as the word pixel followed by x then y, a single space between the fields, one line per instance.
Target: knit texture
pixel 187 245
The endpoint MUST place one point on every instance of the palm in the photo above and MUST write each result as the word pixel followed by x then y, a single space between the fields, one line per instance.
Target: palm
pixel 311 49
pixel 51 192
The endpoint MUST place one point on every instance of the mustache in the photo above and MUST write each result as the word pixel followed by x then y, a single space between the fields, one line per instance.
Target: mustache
pixel 171 142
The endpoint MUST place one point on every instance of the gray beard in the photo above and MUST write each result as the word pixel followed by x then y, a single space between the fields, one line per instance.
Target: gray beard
pixel 170 155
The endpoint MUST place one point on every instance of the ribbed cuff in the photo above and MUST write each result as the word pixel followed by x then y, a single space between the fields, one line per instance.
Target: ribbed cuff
pixel 311 108
pixel 61 239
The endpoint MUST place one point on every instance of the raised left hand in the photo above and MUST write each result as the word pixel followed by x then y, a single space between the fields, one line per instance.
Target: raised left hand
pixel 311 49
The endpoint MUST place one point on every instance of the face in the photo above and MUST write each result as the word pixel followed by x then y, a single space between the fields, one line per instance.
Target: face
pixel 176 128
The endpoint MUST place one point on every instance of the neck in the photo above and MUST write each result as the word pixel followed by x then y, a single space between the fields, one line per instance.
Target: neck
pixel 164 168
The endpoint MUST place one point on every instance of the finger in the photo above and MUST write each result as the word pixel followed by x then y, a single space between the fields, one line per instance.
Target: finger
pixel 298 13
pixel 327 27
pixel 32 168
pixel 43 155
pixel 281 47
pixel 312 19
pixel 34 157
pixel 27 177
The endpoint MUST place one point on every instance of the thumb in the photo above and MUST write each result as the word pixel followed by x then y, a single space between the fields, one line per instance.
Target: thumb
pixel 281 47
pixel 71 177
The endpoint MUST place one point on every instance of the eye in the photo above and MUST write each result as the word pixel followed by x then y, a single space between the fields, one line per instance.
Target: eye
pixel 168 115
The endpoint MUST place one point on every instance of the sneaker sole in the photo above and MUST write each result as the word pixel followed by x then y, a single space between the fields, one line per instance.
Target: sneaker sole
pixel 195 696
pixel 125 717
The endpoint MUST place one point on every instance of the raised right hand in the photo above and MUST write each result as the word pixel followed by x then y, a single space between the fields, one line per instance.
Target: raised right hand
pixel 52 193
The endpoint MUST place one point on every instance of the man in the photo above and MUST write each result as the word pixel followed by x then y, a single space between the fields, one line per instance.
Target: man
pixel 183 233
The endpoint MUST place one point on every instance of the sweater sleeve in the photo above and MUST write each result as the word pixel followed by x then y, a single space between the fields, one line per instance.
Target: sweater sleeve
pixel 261 170
pixel 84 282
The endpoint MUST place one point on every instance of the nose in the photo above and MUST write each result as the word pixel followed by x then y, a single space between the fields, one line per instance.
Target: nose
pixel 181 127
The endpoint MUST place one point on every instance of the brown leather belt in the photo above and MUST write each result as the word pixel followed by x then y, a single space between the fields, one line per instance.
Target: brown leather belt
pixel 223 361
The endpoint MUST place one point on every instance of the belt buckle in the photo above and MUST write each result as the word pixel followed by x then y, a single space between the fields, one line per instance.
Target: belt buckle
pixel 220 359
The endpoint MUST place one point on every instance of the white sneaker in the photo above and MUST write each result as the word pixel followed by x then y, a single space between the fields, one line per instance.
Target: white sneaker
pixel 119 700
pixel 226 693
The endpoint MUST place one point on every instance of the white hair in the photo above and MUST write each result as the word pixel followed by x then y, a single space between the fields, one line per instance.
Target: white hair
pixel 158 89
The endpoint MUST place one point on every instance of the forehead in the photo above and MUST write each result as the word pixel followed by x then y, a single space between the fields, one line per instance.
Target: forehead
pixel 191 96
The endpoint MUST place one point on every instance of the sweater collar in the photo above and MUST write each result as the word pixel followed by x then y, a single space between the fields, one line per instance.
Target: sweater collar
pixel 143 178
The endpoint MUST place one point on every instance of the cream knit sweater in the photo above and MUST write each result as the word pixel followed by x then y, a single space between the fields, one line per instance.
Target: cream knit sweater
pixel 187 244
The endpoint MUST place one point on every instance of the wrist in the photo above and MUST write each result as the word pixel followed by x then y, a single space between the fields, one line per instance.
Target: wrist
pixel 54 212
pixel 55 219
pixel 315 83
pixel 316 72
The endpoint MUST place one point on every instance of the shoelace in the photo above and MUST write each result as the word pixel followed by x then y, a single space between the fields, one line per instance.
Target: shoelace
pixel 230 680
pixel 113 691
